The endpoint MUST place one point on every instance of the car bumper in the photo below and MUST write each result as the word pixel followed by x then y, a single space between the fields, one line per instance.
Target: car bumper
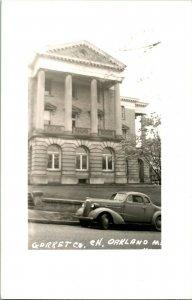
pixel 82 218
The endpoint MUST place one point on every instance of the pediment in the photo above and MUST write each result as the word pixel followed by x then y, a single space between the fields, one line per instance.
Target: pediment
pixel 85 53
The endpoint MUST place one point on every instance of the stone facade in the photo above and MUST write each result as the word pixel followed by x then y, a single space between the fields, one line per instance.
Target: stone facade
pixel 76 120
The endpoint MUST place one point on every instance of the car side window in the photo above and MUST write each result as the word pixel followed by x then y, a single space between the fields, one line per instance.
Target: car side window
pixel 146 200
pixel 137 199
pixel 129 199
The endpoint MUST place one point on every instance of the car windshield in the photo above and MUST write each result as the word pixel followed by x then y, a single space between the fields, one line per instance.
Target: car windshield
pixel 120 197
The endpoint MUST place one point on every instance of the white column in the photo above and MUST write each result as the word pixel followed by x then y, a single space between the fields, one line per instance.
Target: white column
pixel 118 110
pixel 94 117
pixel 68 103
pixel 39 121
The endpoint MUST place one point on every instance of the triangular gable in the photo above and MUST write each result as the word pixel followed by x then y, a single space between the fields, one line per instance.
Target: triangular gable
pixel 85 53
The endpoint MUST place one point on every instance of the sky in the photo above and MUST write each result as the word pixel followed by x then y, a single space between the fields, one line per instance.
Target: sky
pixel 124 29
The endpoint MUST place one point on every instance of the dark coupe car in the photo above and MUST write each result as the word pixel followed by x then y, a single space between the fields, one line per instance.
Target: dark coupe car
pixel 121 208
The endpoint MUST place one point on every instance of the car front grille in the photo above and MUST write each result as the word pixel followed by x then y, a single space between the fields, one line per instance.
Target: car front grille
pixel 87 208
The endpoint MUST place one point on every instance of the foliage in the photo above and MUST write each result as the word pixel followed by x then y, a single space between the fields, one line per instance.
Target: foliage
pixel 146 144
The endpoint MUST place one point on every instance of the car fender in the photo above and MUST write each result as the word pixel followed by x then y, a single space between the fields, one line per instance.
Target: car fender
pixel 117 219
pixel 156 214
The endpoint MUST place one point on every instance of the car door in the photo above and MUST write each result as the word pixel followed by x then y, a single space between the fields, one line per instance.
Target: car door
pixel 149 210
pixel 134 209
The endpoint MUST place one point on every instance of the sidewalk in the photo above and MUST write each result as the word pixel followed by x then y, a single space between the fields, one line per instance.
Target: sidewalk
pixel 50 217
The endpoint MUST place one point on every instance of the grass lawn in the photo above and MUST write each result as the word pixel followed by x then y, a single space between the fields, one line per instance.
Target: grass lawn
pixel 80 192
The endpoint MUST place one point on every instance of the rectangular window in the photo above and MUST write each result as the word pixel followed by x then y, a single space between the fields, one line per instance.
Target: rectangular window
pixel 98 95
pixel 104 163
pixel 74 91
pixel 73 120
pixel 47 117
pixel 82 180
pixel 49 163
pixel 84 162
pixel 123 112
pixel 47 87
pixel 110 164
pixel 124 132
pixel 81 162
pixel 56 161
pixel 107 162
pixel 78 166
pixel 53 162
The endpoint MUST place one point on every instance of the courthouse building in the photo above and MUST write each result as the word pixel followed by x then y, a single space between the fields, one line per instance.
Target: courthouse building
pixel 77 118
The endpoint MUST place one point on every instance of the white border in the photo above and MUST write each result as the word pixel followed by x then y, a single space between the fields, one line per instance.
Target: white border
pixel 111 274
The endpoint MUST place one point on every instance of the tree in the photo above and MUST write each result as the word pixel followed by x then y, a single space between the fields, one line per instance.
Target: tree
pixel 146 144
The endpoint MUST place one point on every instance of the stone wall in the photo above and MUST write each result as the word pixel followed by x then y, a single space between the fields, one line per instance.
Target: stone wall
pixel 68 173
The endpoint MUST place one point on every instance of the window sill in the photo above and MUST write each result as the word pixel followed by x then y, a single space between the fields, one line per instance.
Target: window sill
pixel 82 170
pixel 54 170
pixel 108 171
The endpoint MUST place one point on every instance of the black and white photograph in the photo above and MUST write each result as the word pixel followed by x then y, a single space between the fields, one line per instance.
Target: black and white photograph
pixel 83 144
pixel 95 113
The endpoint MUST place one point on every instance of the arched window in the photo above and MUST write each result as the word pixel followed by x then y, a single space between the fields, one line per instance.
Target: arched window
pixel 108 159
pixel 81 158
pixel 54 157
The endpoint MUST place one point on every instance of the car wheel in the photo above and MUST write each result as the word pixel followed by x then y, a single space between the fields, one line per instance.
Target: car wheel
pixel 104 221
pixel 157 223
pixel 84 224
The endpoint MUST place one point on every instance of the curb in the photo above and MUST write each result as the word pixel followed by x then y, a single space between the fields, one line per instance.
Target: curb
pixel 58 222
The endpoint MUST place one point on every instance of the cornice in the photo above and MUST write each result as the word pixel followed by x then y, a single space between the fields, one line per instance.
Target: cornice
pixel 134 100
pixel 129 99
pixel 78 60
pixel 141 104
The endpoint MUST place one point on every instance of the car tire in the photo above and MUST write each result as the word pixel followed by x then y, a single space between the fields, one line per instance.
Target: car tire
pixel 83 223
pixel 157 223
pixel 104 221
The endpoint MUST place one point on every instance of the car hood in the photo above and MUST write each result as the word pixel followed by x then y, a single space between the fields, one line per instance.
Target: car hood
pixel 106 202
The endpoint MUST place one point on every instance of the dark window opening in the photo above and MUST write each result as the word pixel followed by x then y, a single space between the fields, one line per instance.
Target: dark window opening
pixel 73 120
pixel 137 199
pixel 122 112
pixel 74 91
pixel 124 132
pixel 83 181
pixel 47 87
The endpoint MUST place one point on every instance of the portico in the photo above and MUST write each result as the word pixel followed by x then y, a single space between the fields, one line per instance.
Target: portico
pixel 93 83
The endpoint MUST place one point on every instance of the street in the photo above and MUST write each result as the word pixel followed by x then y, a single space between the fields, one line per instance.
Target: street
pixel 63 237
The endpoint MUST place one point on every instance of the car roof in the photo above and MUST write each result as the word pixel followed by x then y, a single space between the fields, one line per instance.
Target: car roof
pixel 132 193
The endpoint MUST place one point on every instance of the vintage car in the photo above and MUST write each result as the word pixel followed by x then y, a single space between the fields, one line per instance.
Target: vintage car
pixel 121 208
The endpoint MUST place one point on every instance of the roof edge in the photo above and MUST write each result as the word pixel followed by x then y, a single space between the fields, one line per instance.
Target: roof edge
pixel 51 49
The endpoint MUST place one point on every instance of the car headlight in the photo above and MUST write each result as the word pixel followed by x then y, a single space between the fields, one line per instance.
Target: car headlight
pixel 92 205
